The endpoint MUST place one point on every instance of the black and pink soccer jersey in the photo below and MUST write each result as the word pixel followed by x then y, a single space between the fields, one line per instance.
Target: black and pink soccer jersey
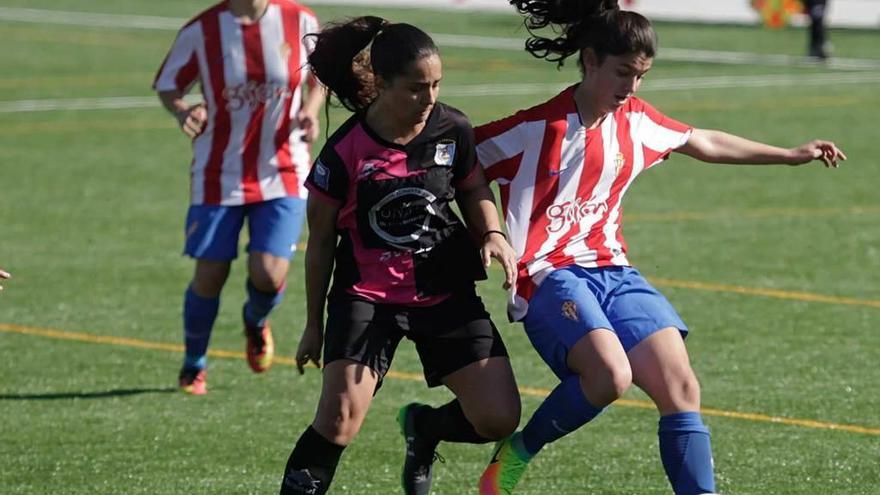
pixel 401 243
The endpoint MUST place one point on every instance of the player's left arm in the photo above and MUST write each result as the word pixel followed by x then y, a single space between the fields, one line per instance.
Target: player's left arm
pixel 307 117
pixel 477 203
pixel 4 275
pixel 315 92
pixel 721 147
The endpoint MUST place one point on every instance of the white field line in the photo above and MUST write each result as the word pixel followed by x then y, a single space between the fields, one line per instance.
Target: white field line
pixel 675 84
pixel 91 19
pixel 105 103
pixel 483 90
pixel 119 21
pixel 677 54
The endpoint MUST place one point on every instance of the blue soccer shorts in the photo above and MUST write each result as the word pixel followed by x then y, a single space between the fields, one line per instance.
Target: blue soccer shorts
pixel 574 301
pixel 274 227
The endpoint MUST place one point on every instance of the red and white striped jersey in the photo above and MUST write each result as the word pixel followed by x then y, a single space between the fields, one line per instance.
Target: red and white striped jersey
pixel 562 185
pixel 252 76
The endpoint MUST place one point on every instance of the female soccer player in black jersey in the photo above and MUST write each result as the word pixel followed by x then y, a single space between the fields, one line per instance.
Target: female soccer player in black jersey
pixel 405 264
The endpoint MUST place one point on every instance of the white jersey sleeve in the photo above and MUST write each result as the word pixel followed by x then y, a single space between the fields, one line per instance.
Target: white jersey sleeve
pixel 180 70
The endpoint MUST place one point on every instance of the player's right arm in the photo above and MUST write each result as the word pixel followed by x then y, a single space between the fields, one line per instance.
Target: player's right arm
pixel 190 118
pixel 320 251
pixel 4 275
pixel 177 75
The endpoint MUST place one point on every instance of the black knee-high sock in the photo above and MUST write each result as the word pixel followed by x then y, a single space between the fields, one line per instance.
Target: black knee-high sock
pixel 447 423
pixel 311 465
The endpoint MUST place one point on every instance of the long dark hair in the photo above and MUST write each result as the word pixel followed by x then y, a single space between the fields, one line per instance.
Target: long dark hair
pixel 341 62
pixel 596 24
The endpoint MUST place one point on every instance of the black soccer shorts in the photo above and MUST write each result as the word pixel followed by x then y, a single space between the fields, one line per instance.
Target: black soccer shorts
pixel 448 336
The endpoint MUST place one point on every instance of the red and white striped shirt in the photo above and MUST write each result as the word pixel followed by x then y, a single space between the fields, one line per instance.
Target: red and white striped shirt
pixel 561 184
pixel 251 77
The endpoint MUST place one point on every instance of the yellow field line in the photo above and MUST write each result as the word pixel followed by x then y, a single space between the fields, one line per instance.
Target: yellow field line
pixel 529 391
pixel 749 214
pixel 749 291
pixel 757 291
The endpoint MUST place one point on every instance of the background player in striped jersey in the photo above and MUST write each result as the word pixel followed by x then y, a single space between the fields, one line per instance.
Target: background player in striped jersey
pixel 380 208
pixel 563 167
pixel 251 138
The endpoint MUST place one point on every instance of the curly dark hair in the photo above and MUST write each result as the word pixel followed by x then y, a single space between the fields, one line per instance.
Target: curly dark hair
pixel 596 24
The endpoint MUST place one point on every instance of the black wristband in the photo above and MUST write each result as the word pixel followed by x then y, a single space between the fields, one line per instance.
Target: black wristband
pixel 486 234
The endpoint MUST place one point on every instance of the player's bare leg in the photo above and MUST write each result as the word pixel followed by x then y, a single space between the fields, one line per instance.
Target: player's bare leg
pixel 661 368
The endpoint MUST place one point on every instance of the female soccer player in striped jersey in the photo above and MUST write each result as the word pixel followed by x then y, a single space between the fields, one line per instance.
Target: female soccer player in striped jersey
pixel 380 208
pixel 563 167
pixel 251 139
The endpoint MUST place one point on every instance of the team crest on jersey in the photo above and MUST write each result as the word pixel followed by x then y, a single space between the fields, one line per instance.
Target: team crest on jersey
pixel 285 50
pixel 370 168
pixel 569 310
pixel 619 161
pixel 444 153
pixel 322 175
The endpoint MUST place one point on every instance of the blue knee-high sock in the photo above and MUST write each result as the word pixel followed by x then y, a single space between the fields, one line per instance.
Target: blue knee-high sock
pixel 259 304
pixel 686 451
pixel 563 411
pixel 199 314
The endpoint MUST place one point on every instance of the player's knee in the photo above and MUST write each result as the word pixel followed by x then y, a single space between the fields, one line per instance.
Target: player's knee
pixel 608 384
pixel 685 391
pixel 340 428
pixel 678 392
pixel 266 280
pixel 209 278
pixel 619 380
pixel 498 424
pixel 267 272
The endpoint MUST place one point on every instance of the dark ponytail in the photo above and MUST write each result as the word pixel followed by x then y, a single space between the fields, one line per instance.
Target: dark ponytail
pixel 596 24
pixel 338 63
pixel 341 63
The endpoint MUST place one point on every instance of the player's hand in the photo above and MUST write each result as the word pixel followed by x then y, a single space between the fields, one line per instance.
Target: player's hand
pixel 192 120
pixel 826 151
pixel 3 276
pixel 495 246
pixel 309 348
pixel 308 122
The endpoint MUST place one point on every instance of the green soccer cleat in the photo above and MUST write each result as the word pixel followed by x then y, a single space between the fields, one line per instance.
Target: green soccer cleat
pixel 504 470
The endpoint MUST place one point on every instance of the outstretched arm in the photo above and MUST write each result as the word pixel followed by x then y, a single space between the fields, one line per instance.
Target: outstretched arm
pixel 720 147
pixel 4 275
